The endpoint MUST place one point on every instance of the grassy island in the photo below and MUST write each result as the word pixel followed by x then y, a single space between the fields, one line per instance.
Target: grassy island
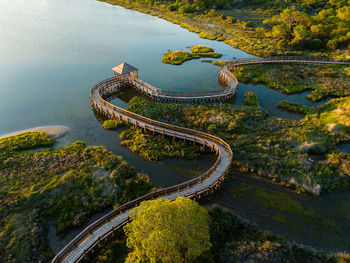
pixel 63 186
pixel 302 155
pixel 180 56
pixel 322 80
pixel 260 28
pixel 205 51
pixel 250 99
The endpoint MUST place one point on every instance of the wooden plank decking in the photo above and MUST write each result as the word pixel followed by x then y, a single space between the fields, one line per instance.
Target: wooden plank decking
pixel 95 234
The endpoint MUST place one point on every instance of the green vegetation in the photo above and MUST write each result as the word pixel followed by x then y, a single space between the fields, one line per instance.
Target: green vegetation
pixel 201 49
pixel 323 80
pixel 207 60
pixel 294 107
pixel 156 147
pixel 328 29
pixel 251 99
pixel 180 56
pixel 272 147
pixel 221 63
pixel 334 115
pixel 204 51
pixel 262 28
pixel 112 124
pixel 167 231
pixel 235 240
pixel 279 204
pixel 64 186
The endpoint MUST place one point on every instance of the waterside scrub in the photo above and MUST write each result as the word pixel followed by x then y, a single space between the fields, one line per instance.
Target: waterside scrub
pixel 334 116
pixel 303 154
pixel 294 107
pixel 250 99
pixel 322 80
pixel 157 147
pixel 64 186
pixel 112 124
pixel 151 146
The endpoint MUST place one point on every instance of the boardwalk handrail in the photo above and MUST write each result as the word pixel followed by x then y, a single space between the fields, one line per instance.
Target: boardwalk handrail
pixel 99 93
pixel 157 94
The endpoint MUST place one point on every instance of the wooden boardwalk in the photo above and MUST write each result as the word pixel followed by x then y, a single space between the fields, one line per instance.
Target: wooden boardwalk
pixel 96 234
pixel 161 95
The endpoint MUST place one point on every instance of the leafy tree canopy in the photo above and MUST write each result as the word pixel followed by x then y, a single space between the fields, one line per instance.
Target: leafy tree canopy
pixel 168 231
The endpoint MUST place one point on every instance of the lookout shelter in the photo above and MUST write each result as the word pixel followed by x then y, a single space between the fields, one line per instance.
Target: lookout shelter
pixel 125 72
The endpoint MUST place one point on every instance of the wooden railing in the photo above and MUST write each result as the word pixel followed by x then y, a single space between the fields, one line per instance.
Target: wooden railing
pixel 98 95
pixel 288 59
pixel 185 96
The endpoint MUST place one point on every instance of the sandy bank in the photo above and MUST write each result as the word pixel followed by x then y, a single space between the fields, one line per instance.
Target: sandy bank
pixel 54 131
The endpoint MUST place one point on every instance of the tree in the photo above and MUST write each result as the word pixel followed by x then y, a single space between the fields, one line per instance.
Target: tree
pixel 167 231
pixel 281 32
pixel 344 13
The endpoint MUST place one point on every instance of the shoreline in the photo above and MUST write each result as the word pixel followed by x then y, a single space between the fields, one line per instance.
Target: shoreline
pixel 194 26
pixel 55 131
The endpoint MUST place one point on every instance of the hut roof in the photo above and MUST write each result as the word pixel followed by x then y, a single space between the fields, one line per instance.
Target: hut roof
pixel 124 68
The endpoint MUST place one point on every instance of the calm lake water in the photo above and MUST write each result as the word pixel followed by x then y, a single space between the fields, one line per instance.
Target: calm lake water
pixel 53 52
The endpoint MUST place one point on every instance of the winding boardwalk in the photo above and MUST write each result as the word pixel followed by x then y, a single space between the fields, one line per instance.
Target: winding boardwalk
pixel 96 234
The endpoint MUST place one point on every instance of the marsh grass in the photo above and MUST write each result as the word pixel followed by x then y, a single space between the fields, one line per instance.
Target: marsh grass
pixel 294 107
pixel 271 147
pixel 333 115
pixel 323 81
pixel 66 185
pixel 156 147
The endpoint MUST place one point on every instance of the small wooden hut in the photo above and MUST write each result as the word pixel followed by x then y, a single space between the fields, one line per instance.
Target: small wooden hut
pixel 125 72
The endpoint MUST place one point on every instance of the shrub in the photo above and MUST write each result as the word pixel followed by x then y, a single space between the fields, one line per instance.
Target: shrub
pixel 250 99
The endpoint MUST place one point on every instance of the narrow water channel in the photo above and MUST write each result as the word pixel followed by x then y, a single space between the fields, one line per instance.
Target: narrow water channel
pixel 320 222
pixel 269 99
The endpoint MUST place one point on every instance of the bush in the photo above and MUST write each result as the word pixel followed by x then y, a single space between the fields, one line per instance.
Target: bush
pixel 250 99
pixel 112 124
